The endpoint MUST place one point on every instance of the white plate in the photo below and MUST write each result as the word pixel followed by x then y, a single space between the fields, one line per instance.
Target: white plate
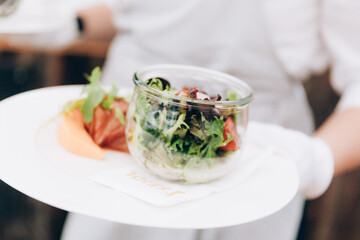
pixel 63 181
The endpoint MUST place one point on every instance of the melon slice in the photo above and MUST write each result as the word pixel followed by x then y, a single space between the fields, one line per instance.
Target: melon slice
pixel 72 136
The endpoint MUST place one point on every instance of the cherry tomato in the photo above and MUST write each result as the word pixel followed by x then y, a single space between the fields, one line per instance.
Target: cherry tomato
pixel 183 92
pixel 230 127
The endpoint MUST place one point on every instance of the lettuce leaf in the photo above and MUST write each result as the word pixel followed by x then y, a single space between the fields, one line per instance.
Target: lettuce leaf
pixel 95 94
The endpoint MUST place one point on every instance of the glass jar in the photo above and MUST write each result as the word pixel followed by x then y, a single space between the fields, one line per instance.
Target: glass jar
pixel 186 132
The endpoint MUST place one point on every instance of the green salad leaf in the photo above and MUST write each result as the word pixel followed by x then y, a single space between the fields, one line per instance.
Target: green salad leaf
pixel 169 132
pixel 178 135
pixel 120 115
pixel 95 94
pixel 71 106
pixel 159 84
pixel 109 99
pixel 231 95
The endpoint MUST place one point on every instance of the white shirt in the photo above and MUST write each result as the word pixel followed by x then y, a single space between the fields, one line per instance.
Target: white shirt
pixel 270 44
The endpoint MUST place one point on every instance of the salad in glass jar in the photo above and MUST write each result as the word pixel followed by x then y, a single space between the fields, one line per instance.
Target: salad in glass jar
pixel 187 134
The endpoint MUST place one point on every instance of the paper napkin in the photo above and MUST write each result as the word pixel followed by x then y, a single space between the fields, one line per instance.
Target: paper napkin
pixel 134 181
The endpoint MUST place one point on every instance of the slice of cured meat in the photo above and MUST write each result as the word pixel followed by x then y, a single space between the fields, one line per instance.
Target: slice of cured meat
pixel 106 130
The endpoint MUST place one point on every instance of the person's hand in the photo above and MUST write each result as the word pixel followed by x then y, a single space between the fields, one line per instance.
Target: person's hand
pixel 312 155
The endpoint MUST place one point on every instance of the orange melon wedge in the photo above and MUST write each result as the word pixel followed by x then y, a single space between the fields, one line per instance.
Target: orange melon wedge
pixel 72 136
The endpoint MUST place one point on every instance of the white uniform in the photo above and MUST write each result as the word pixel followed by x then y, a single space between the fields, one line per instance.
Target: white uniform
pixel 270 44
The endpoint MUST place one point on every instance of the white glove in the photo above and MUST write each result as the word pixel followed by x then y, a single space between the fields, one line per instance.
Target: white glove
pixel 312 155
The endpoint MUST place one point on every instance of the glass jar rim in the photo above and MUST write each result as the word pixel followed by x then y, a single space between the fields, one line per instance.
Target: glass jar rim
pixel 238 102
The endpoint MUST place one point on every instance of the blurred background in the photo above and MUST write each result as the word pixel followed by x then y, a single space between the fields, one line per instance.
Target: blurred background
pixel 335 215
pixel 22 68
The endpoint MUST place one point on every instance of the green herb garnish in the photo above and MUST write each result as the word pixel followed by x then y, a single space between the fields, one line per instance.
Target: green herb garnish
pixel 231 95
pixel 95 96
pixel 71 106
pixel 120 116
pixel 108 101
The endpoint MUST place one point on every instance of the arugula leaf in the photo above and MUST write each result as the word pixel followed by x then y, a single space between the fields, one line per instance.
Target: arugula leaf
pixel 210 149
pixel 214 130
pixel 158 84
pixel 195 128
pixel 95 95
pixel 231 95
pixel 120 116
pixel 108 101
pixel 178 145
pixel 95 75
pixel 181 132
pixel 195 148
pixel 215 127
pixel 71 106
pixel 145 113
pixel 179 122
pixel 175 136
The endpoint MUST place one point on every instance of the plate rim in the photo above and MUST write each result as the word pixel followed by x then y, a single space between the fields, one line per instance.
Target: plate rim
pixel 70 209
